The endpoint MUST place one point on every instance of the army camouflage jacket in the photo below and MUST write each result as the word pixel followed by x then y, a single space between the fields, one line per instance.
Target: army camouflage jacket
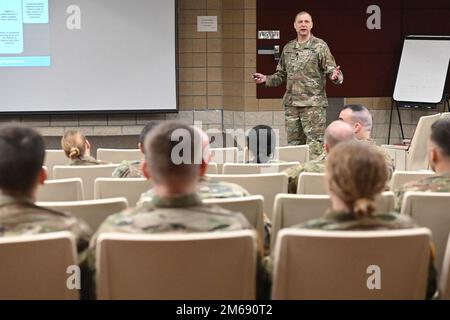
pixel 85 161
pixel 183 214
pixel 304 68
pixel 333 220
pixel 317 165
pixel 436 183
pixel 20 216
pixel 128 169
pixel 389 161
pixel 178 214
pixel 207 190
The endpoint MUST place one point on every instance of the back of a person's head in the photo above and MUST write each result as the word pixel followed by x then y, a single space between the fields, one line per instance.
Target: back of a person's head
pixel 173 153
pixel 74 144
pixel 205 144
pixel 440 135
pixel 338 131
pixel 22 156
pixel 360 114
pixel 356 174
pixel 261 141
pixel 145 131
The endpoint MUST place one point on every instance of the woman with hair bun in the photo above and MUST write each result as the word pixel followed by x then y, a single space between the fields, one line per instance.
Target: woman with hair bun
pixel 77 148
pixel 356 174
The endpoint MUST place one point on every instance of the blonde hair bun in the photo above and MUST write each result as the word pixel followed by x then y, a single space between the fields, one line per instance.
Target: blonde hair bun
pixel 364 207
pixel 74 153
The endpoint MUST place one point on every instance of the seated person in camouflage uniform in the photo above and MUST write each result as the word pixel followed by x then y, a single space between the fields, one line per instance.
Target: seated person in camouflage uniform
pixel 356 174
pixel 261 144
pixel 207 189
pixel 133 169
pixel 21 173
pixel 439 157
pixel 359 117
pixel 336 132
pixel 175 206
pixel 78 149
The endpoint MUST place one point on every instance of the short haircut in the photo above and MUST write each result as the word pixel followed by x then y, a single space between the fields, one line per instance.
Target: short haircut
pixel 303 12
pixel 145 130
pixel 440 134
pixel 261 141
pixel 173 153
pixel 338 131
pixel 22 156
pixel 360 114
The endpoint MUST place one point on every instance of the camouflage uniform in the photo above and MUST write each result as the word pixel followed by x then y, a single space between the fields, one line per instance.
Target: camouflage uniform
pixel 85 161
pixel 218 189
pixel 184 214
pixel 20 216
pixel 389 161
pixel 436 183
pixel 304 68
pixel 317 165
pixel 128 169
pixel 333 221
pixel 207 190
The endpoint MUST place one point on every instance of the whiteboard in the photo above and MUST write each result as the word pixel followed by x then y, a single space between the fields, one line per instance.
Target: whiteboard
pixel 87 56
pixel 423 69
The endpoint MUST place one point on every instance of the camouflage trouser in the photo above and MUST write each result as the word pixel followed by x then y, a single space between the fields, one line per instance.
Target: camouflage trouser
pixel 306 125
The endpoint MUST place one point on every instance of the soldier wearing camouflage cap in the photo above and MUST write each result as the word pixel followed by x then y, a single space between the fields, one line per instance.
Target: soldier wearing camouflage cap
pixel 21 173
pixel 439 157
pixel 336 132
pixel 304 65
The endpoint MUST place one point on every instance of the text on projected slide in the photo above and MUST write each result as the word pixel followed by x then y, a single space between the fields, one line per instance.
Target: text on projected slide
pixel 24 33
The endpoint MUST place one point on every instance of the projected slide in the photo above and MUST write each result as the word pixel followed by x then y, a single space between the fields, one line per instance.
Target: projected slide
pixel 87 56
pixel 24 33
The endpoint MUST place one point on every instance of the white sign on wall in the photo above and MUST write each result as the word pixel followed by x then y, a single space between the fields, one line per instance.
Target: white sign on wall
pixel 206 23
pixel 269 34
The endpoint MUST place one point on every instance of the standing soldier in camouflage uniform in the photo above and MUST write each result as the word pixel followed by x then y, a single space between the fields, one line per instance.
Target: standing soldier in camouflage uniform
pixel 78 149
pixel 439 157
pixel 304 65
pixel 359 117
pixel 335 133
pixel 356 174
pixel 21 173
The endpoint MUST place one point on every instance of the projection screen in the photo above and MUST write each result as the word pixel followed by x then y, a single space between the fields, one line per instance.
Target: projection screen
pixel 87 56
